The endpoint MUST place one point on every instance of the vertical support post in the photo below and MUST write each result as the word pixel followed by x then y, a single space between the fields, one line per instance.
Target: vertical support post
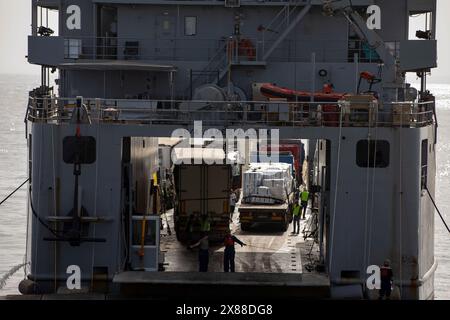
pixel 104 84
pixel 313 75
pixel 45 109
pixel 94 30
pixel 53 105
pixel 34 107
pixel 34 18
pixel 433 22
pixel 190 81
pixel 263 43
pixel 98 108
pixel 42 76
pixel 357 78
pixel 171 80
pixel 77 112
pixel 247 155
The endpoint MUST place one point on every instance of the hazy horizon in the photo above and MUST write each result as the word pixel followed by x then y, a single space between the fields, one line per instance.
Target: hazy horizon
pixel 15 21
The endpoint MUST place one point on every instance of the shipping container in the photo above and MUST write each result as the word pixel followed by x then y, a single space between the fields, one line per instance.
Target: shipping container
pixel 202 190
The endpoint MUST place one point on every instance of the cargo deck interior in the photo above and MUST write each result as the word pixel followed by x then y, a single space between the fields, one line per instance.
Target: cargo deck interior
pixel 273 261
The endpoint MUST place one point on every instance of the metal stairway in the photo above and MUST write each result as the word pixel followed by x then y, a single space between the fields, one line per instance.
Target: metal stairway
pixel 216 65
pixel 283 23
pixel 285 20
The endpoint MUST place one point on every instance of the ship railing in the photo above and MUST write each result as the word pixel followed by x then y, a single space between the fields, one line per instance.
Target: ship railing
pixel 235 113
pixel 238 49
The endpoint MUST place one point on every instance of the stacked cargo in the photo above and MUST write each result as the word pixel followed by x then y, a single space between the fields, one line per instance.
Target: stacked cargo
pixel 267 183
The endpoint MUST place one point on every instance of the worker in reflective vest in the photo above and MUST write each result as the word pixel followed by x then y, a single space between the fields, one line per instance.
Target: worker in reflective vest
pixel 296 216
pixel 304 196
pixel 205 223
pixel 229 252
pixel 192 225
pixel 203 252
pixel 386 277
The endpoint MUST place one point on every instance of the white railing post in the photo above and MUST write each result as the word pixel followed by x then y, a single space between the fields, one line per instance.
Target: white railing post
pixel 53 105
pixel 97 108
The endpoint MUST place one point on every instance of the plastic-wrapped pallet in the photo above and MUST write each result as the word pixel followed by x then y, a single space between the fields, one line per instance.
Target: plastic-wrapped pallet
pixel 252 180
pixel 264 195
pixel 277 188
pixel 273 174
pixel 265 182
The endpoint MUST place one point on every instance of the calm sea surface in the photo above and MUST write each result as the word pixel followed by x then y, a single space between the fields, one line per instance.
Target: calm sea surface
pixel 13 168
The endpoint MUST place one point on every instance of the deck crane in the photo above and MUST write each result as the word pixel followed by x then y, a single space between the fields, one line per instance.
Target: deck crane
pixel 392 78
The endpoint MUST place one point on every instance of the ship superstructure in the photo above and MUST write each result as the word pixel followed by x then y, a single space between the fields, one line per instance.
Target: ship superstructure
pixel 130 72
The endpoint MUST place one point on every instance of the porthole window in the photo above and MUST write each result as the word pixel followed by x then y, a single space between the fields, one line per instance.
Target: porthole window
pixel 373 154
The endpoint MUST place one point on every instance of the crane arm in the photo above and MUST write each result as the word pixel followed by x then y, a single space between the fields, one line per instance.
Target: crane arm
pixel 373 39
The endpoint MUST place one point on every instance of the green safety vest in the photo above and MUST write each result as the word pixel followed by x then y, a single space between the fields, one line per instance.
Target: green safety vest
pixel 296 210
pixel 206 225
pixel 304 196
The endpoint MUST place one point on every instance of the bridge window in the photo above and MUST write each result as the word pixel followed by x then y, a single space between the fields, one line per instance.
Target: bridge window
pixel 190 26
pixel 373 154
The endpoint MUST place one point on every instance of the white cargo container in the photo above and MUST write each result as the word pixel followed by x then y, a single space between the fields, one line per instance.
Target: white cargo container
pixel 202 189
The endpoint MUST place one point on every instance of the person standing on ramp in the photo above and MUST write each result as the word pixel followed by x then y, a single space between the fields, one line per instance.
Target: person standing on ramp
pixel 229 252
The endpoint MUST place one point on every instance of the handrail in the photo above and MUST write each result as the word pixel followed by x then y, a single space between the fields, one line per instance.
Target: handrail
pixel 106 48
pixel 227 113
pixel 54 98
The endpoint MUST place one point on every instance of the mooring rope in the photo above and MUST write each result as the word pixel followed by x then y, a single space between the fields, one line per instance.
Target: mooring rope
pixel 10 273
pixel 12 193
pixel 438 211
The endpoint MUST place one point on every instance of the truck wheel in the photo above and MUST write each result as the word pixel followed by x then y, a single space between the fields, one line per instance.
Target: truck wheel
pixel 285 225
pixel 245 226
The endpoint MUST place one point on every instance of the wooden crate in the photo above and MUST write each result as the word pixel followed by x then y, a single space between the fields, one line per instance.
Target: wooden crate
pixel 361 112
pixel 402 115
